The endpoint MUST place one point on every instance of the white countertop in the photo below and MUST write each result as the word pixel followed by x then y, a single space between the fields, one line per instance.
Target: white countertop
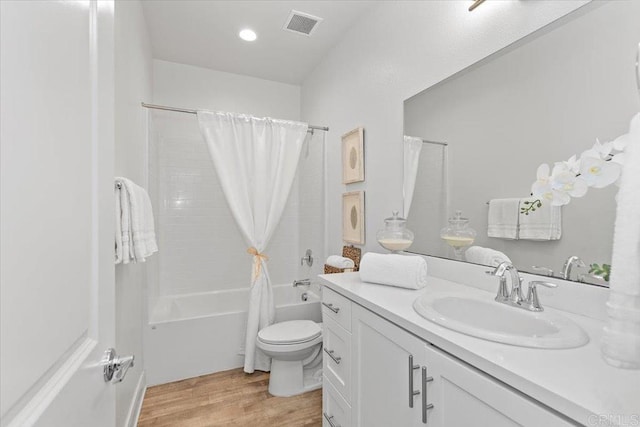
pixel 575 382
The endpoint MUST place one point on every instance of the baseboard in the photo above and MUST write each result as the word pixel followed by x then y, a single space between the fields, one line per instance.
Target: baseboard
pixel 136 403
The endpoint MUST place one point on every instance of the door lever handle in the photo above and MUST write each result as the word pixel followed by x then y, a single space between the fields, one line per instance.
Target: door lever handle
pixel 115 367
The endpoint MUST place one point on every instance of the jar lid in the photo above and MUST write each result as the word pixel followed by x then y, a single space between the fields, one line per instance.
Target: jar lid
pixel 457 218
pixel 395 218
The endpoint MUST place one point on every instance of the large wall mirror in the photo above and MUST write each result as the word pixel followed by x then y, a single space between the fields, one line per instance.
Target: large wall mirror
pixel 480 135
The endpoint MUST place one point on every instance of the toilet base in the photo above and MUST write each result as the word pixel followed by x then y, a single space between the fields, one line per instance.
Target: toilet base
pixel 290 378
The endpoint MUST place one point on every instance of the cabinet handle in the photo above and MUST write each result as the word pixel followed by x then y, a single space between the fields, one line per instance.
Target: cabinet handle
pixel 331 307
pixel 330 420
pixel 336 359
pixel 425 406
pixel 412 392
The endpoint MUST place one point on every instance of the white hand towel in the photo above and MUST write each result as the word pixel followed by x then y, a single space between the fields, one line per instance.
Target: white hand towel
pixel 621 340
pixel 485 256
pixel 545 223
pixel 338 261
pixel 124 250
pixel 394 270
pixel 503 218
pixel 134 223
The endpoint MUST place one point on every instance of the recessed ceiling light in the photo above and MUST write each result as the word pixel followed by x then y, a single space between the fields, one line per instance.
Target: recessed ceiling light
pixel 248 35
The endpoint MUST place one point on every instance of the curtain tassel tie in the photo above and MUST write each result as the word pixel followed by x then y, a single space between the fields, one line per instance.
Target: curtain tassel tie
pixel 258 257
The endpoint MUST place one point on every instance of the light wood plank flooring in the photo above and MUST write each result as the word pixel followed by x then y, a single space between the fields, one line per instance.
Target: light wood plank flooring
pixel 230 398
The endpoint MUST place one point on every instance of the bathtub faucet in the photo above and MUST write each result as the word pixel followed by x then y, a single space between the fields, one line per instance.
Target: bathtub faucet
pixel 303 282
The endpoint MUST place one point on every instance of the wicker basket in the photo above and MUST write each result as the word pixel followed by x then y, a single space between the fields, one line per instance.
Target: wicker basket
pixel 347 252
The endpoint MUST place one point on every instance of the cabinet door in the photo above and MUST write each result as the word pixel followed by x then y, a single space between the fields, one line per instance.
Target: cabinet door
pixel 383 382
pixel 463 396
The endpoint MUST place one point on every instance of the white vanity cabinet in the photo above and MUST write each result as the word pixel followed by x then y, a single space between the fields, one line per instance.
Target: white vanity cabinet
pixel 397 379
pixel 336 360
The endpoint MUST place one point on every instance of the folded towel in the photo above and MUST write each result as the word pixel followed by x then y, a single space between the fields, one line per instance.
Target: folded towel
pixel 621 340
pixel 135 229
pixel 485 256
pixel 338 261
pixel 543 224
pixel 394 270
pixel 503 218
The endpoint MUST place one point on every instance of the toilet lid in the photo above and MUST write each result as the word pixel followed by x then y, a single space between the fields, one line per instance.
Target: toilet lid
pixel 291 332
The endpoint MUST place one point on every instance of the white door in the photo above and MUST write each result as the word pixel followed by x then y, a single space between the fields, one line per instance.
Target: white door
pixel 56 262
pixel 386 372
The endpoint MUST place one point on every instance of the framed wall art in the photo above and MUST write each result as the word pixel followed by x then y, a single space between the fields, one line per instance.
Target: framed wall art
pixel 353 217
pixel 353 156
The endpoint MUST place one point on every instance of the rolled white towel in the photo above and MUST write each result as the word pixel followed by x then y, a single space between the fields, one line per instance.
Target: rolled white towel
pixel 394 270
pixel 338 261
pixel 485 256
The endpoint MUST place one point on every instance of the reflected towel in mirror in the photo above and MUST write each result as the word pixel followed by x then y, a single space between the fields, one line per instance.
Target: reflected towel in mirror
pixel 545 223
pixel 485 256
pixel 503 218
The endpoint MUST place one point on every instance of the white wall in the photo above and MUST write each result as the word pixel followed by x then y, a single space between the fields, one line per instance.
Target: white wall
pixel 133 84
pixel 394 52
pixel 180 85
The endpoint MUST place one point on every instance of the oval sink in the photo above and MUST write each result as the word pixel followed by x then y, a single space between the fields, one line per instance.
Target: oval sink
pixel 484 318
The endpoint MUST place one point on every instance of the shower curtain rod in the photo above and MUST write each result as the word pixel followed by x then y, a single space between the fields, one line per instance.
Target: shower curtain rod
pixel 426 141
pixel 185 110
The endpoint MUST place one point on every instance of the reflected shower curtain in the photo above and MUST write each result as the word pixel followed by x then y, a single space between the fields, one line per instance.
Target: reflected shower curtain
pixel 412 148
pixel 256 161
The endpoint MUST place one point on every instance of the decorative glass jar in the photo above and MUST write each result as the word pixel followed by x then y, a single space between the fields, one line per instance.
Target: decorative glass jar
pixel 458 234
pixel 395 236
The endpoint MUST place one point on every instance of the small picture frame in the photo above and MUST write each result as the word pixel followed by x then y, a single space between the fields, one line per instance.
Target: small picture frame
pixel 353 217
pixel 353 156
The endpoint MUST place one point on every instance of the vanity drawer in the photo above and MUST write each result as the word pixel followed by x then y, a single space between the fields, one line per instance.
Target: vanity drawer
pixel 336 358
pixel 336 412
pixel 336 307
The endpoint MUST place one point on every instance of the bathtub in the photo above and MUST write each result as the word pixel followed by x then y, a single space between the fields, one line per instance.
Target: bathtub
pixel 197 334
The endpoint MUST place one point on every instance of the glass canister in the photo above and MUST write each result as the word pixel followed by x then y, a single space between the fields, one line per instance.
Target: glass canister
pixel 458 234
pixel 395 236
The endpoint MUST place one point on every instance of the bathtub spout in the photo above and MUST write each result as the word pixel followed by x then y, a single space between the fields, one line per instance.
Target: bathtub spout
pixel 303 282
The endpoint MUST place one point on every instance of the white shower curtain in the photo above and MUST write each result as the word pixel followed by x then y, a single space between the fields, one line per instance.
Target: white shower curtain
pixel 256 161
pixel 412 148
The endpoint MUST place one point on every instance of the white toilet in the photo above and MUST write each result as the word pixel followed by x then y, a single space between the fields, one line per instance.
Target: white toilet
pixel 295 348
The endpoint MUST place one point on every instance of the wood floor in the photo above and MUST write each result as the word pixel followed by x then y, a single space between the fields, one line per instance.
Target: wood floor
pixel 230 398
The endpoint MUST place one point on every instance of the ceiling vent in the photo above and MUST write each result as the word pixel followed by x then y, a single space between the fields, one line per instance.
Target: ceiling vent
pixel 301 23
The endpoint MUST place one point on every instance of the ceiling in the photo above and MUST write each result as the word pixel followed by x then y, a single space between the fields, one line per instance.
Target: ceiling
pixel 205 34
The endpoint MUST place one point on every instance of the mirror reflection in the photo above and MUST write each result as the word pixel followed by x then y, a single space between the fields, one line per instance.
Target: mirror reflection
pixel 475 142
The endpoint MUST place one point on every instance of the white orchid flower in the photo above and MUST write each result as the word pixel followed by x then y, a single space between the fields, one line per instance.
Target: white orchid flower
pixel 565 180
pixel 573 164
pixel 600 151
pixel 599 173
pixel 544 187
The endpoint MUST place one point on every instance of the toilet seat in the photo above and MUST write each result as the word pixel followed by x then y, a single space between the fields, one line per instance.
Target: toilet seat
pixel 290 332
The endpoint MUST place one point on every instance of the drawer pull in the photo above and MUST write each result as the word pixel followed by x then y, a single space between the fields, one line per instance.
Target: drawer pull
pixel 425 406
pixel 336 359
pixel 331 307
pixel 330 420
pixel 412 392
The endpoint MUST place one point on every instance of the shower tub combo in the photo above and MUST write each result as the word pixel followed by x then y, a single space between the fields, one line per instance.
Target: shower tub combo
pixel 197 334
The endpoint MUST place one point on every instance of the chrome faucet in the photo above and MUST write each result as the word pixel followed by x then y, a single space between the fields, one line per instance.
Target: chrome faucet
pixel 568 264
pixel 303 282
pixel 514 297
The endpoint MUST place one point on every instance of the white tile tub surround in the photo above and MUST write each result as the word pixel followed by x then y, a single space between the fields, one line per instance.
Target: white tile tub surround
pixel 201 333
